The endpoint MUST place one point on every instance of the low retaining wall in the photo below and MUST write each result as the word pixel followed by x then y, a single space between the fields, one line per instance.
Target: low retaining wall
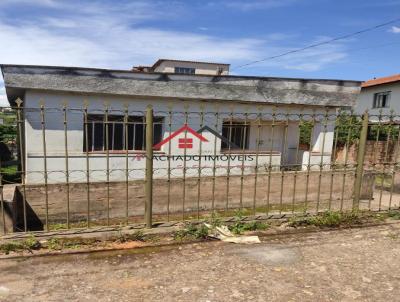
pixel 281 188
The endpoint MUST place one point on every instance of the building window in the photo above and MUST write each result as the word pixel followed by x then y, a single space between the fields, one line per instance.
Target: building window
pixel 185 70
pixel 121 136
pixel 381 99
pixel 236 134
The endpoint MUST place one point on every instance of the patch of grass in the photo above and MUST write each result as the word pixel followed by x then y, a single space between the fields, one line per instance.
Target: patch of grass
pixel 12 246
pixel 394 215
pixel 191 231
pixel 240 226
pixel 63 226
pixel 327 219
pixel 28 244
pixel 69 243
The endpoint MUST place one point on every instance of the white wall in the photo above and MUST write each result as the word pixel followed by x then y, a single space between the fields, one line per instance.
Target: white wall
pixel 283 150
pixel 201 68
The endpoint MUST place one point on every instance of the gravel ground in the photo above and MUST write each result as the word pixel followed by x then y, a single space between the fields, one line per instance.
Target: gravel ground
pixel 342 265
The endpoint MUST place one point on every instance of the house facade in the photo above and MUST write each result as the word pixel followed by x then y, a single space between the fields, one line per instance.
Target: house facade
pixel 89 124
pixel 185 67
pixel 380 96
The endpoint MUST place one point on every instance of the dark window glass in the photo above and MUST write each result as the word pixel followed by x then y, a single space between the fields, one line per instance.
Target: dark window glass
pixel 381 99
pixel 185 70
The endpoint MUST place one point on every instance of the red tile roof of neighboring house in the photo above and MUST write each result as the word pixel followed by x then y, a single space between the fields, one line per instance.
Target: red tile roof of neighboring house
pixel 379 81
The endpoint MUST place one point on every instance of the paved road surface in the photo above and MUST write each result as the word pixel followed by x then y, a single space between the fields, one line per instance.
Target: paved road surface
pixel 347 265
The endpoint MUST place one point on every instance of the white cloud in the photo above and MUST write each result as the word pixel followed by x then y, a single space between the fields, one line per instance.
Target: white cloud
pixel 114 36
pixel 254 4
pixel 395 30
pixel 48 3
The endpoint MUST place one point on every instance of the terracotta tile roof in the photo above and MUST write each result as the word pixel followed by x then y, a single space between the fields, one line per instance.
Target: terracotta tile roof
pixel 379 81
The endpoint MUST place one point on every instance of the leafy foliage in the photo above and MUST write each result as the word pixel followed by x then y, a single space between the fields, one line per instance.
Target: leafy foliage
pixel 327 219
pixel 240 226
pixel 8 133
pixel 192 231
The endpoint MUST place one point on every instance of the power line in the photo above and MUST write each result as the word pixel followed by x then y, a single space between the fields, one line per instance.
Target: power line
pixel 321 43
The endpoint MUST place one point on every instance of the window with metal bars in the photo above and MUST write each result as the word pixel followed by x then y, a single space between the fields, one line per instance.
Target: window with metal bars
pixel 115 134
pixel 237 133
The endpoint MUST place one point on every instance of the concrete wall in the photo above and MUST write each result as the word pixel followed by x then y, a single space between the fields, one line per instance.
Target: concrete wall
pixel 291 182
pixel 201 68
pixel 282 152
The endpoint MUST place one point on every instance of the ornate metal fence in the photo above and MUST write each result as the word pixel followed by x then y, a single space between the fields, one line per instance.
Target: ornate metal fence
pixel 89 166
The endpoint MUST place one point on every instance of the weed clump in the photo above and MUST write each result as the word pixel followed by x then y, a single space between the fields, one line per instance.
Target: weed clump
pixel 191 231
pixel 28 244
pixel 240 226
pixel 394 215
pixel 68 243
pixel 328 219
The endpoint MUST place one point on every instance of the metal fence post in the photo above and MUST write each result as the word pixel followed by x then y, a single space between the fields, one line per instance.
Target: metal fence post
pixel 149 167
pixel 360 161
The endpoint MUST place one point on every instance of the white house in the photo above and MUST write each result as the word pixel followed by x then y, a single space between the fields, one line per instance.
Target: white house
pixel 379 96
pixel 204 122
pixel 185 67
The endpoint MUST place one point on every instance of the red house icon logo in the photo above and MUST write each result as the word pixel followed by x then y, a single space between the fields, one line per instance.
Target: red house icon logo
pixel 183 143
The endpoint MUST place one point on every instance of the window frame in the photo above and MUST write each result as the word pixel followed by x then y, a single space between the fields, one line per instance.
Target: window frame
pixel 378 101
pixel 235 124
pixel 134 125
pixel 184 70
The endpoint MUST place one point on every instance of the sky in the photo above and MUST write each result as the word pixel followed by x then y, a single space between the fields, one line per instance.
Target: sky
pixel 119 34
